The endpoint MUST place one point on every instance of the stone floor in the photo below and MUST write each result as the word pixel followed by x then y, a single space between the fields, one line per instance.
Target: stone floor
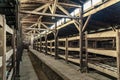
pixel 26 69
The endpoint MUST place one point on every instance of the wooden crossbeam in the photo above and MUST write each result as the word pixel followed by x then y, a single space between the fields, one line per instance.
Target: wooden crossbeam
pixel 54 6
pixel 37 9
pixel 48 14
pixel 63 10
pixel 61 3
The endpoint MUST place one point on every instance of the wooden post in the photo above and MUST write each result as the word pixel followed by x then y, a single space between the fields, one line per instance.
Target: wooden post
pixel 66 49
pixel 14 52
pixel 32 40
pixel 56 41
pixel 3 47
pixel 118 53
pixel 86 47
pixel 50 47
pixel 46 49
pixel 81 38
pixel 40 44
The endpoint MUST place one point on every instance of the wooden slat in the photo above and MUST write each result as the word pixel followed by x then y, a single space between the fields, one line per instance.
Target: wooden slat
pixel 10 75
pixel 63 48
pixel 73 49
pixel 8 29
pixel 73 38
pixel 102 34
pixel 103 69
pixel 112 53
pixel 9 54
pixel 101 7
pixel 62 39
pixel 0 62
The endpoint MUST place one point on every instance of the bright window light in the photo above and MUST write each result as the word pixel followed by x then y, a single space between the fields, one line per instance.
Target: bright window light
pixel 94 2
pixel 87 5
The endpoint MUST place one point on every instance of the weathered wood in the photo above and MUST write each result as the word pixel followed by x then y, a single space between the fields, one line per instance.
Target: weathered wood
pixel 66 50
pixel 46 44
pixel 56 41
pixel 101 7
pixel 118 53
pixel 86 47
pixel 81 38
pixel 102 34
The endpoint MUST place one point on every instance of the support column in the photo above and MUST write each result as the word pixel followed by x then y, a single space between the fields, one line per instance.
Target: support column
pixel 66 50
pixel 3 48
pixel 118 53
pixel 51 47
pixel 81 38
pixel 32 40
pixel 46 49
pixel 56 41
pixel 14 52
pixel 86 47
pixel 40 44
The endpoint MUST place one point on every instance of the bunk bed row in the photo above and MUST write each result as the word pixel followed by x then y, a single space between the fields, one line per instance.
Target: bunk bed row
pixel 100 50
pixel 6 50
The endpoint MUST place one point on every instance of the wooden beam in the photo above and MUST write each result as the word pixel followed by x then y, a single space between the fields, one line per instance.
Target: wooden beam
pixel 27 21
pixel 44 25
pixel 47 14
pixel 60 3
pixel 37 9
pixel 71 5
pixel 118 53
pixel 101 7
pixel 54 6
pixel 86 23
pixel 66 49
pixel 63 10
pixel 77 26
pixel 44 10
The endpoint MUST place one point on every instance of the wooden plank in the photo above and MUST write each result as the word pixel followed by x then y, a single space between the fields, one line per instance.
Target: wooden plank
pixel 0 62
pixel 73 49
pixel 86 52
pixel 102 34
pixel 62 39
pixel 9 54
pixel 8 29
pixel 73 38
pixel 101 7
pixel 63 48
pixel 66 50
pixel 10 75
pixel 104 70
pixel 111 53
pixel 118 53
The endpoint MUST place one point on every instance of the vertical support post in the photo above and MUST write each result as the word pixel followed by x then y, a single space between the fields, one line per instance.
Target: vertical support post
pixel 81 37
pixel 86 47
pixel 37 45
pixel 3 48
pixel 40 44
pixel 19 43
pixel 118 53
pixel 66 49
pixel 14 52
pixel 56 41
pixel 46 49
pixel 50 47
pixel 32 40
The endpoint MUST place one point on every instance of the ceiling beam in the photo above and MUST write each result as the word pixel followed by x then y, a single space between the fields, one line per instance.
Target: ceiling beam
pixel 48 14
pixel 63 10
pixel 37 9
pixel 61 3
pixel 54 6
